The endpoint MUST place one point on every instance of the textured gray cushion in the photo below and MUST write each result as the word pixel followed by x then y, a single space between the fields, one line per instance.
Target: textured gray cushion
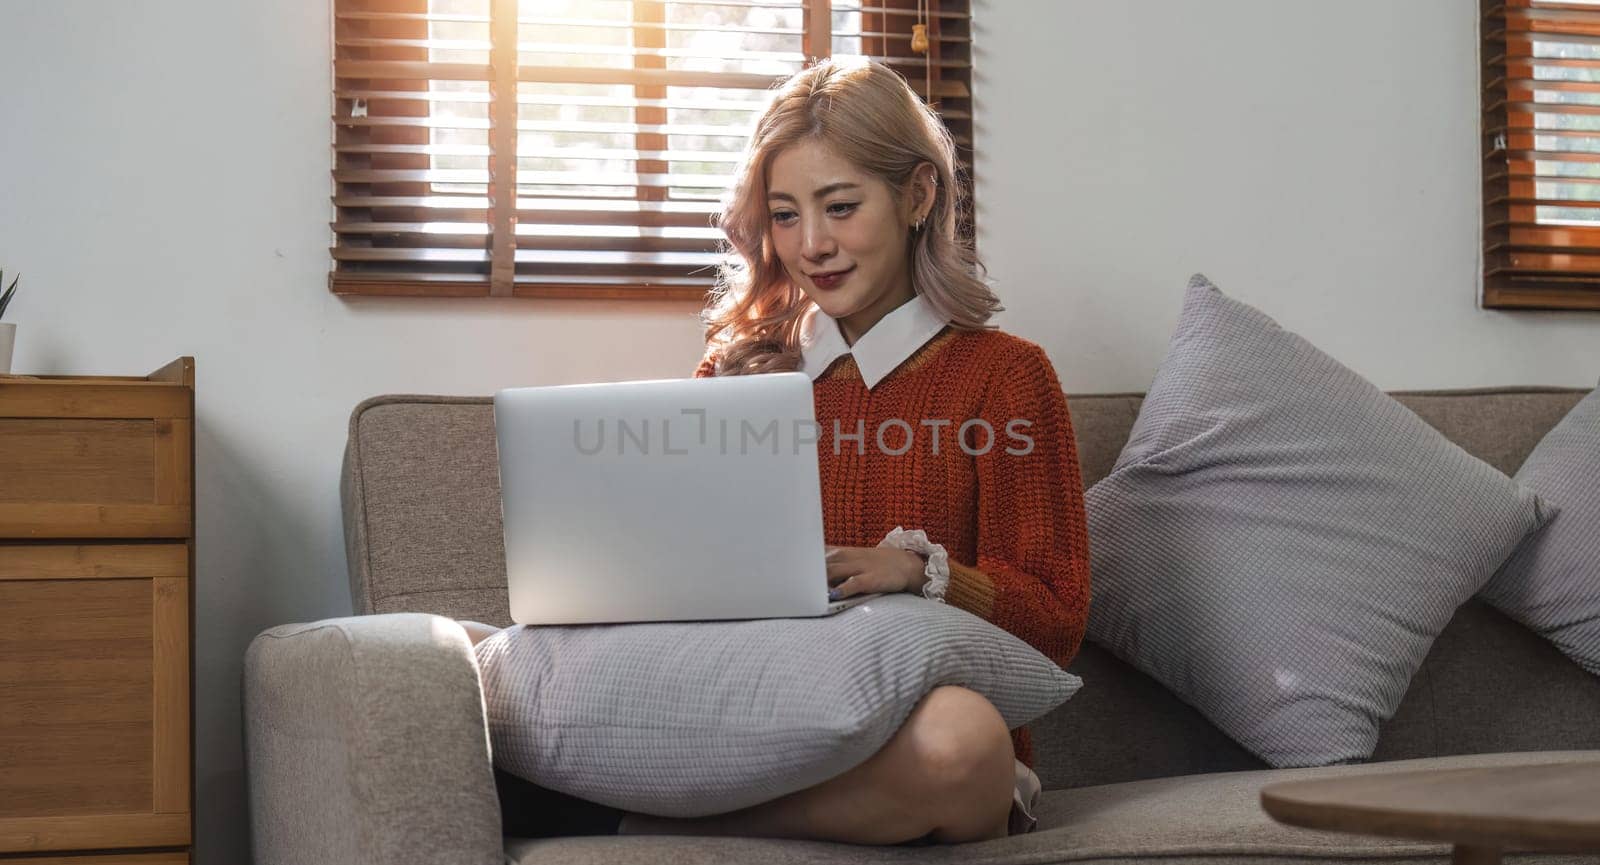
pixel 690 719
pixel 1552 583
pixel 1280 542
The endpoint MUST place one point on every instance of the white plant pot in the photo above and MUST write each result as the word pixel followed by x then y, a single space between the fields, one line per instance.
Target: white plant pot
pixel 8 338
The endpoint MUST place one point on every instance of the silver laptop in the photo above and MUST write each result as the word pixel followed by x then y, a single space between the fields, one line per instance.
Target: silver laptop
pixel 671 500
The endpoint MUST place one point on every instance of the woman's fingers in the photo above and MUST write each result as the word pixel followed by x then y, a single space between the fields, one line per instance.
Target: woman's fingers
pixel 864 583
pixel 841 564
pixel 847 571
pixel 855 571
pixel 844 589
pixel 839 570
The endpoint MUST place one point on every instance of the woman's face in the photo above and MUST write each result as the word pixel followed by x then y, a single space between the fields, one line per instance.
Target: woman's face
pixel 840 234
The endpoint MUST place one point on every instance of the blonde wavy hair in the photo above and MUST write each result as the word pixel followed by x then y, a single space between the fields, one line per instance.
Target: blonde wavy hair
pixel 867 114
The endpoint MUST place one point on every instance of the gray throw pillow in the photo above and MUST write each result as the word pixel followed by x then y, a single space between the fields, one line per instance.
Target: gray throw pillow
pixel 687 719
pixel 1552 583
pixel 1280 542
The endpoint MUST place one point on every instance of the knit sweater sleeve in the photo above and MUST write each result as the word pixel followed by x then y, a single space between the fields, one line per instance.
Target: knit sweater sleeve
pixel 1031 576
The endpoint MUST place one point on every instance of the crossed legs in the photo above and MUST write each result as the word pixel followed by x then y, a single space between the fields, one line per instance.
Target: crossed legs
pixel 946 775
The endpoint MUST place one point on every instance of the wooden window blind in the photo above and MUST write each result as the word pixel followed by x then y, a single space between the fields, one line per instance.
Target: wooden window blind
pixel 540 148
pixel 1541 149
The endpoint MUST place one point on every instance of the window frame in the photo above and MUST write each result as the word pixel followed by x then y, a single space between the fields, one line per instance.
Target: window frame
pixel 1527 263
pixel 497 274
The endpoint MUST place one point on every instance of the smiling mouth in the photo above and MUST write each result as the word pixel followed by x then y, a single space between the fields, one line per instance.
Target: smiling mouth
pixel 829 280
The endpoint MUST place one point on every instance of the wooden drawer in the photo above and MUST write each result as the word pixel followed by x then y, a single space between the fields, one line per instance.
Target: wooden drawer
pixel 94 696
pixel 178 858
pixel 95 459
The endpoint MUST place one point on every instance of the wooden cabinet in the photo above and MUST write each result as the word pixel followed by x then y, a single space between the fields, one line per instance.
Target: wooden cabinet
pixel 96 617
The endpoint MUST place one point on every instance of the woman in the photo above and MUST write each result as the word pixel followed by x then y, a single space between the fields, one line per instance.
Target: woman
pixel 848 267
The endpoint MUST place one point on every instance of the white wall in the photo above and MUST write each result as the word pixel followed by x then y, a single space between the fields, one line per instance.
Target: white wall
pixel 1318 160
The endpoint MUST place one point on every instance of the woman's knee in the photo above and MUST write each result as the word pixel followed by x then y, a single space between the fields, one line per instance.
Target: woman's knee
pixel 477 632
pixel 961 744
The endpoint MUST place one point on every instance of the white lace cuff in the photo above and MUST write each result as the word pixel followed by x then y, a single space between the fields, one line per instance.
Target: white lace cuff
pixel 937 569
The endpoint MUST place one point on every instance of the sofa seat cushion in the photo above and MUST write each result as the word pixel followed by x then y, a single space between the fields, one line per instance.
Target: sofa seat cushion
pixel 1207 819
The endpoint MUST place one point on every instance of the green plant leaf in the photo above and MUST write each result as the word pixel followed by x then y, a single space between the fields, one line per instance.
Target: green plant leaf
pixel 5 299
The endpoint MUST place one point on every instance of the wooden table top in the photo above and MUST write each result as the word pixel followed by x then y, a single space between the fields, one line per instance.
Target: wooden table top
pixel 1554 806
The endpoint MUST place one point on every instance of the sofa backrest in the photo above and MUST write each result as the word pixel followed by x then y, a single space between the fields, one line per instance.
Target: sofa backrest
pixel 421 493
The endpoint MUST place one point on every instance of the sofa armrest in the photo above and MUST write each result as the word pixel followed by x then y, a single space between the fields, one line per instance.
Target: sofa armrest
pixel 365 742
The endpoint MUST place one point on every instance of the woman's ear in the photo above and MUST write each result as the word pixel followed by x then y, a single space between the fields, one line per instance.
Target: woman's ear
pixel 924 190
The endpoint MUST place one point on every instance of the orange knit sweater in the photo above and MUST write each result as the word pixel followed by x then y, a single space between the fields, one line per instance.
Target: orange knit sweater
pixel 1013 524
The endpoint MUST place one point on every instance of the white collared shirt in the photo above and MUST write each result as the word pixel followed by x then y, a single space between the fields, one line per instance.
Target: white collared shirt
pixel 877 352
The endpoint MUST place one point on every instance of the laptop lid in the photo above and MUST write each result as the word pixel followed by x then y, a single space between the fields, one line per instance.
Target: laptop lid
pixel 670 500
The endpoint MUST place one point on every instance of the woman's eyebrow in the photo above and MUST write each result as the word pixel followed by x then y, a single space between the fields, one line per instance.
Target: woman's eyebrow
pixel 824 192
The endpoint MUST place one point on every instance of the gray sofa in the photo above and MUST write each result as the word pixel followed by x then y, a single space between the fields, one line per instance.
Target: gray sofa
pixel 366 740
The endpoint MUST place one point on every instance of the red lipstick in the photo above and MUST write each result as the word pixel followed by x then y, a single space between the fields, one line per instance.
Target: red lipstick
pixel 830 280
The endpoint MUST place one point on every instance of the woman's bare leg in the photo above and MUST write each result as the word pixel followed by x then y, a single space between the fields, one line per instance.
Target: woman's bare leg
pixel 477 632
pixel 948 774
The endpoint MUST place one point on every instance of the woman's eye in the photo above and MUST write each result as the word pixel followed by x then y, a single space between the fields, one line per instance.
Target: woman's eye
pixel 843 208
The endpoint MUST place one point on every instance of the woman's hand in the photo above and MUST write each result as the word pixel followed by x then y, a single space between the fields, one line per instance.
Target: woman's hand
pixel 865 570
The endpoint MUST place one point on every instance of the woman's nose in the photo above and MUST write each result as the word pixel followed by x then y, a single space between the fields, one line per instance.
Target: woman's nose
pixel 816 242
